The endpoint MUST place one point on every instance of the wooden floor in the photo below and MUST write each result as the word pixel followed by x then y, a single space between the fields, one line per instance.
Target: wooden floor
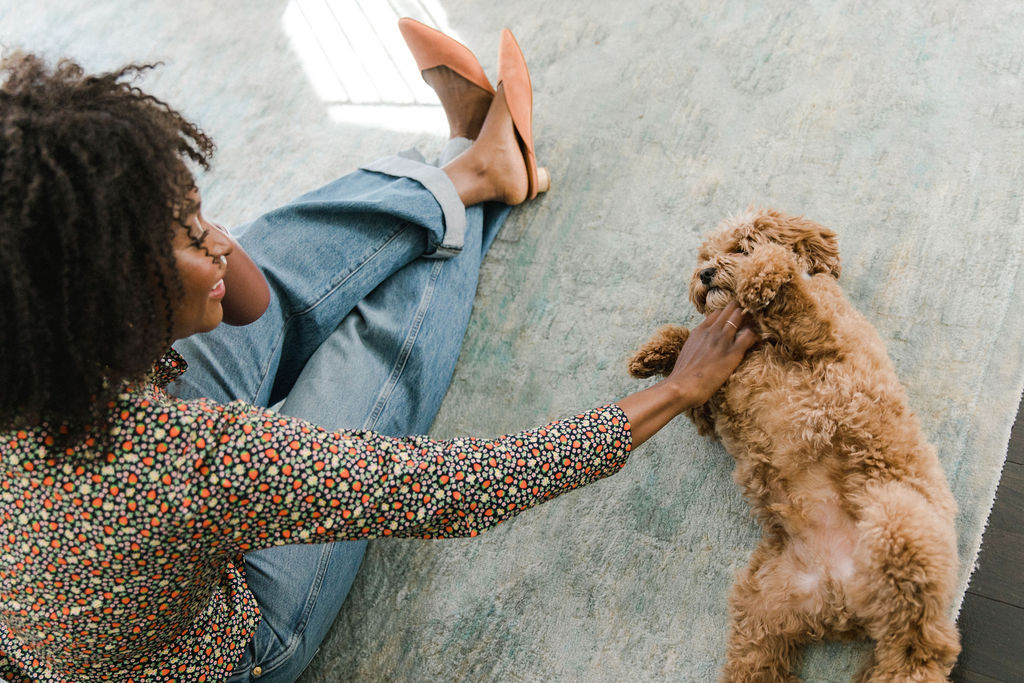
pixel 992 617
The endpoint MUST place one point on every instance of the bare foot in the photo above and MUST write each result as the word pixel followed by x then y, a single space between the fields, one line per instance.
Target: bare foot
pixel 464 103
pixel 493 169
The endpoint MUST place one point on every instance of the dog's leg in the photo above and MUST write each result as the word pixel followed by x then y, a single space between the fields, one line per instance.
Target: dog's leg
pixel 658 356
pixel 908 550
pixel 768 625
pixel 772 287
pixel 919 645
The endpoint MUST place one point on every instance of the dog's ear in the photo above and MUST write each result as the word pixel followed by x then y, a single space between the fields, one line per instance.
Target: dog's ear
pixel 820 248
pixel 815 244
pixel 763 274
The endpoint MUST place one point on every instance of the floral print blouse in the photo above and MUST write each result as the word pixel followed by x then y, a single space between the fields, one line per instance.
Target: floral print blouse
pixel 122 560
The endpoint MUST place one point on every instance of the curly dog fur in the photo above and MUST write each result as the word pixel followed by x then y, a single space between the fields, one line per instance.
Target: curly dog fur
pixel 856 511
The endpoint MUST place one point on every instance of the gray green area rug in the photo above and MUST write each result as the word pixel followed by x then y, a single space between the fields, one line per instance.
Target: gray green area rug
pixel 898 124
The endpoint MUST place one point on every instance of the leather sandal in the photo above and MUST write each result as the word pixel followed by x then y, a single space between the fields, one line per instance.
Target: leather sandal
pixel 513 74
pixel 431 48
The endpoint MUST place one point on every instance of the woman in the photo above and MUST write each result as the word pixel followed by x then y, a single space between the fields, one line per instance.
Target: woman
pixel 163 525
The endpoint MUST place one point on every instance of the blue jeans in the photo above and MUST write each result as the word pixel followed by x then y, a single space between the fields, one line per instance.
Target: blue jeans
pixel 362 332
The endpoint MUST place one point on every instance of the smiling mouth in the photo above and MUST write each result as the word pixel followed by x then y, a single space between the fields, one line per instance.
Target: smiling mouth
pixel 218 290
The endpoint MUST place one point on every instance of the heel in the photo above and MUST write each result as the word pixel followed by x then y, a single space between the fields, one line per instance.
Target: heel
pixel 513 74
pixel 543 179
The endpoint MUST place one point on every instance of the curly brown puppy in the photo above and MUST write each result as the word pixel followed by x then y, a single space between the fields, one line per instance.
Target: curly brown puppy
pixel 857 514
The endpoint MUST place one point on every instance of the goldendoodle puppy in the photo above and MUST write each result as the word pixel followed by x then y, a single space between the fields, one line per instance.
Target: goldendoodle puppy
pixel 856 511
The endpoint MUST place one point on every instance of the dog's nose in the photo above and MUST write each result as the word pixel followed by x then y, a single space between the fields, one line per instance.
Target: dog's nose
pixel 707 275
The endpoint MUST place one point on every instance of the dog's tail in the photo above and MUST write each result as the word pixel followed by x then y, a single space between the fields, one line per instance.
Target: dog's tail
pixel 909 566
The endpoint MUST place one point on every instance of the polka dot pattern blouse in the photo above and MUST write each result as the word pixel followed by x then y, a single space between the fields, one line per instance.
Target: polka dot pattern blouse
pixel 121 558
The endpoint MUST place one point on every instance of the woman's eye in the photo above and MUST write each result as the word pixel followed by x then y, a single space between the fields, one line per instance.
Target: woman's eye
pixel 198 235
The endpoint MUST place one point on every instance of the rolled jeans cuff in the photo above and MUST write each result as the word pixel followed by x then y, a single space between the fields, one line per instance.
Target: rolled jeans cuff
pixel 438 184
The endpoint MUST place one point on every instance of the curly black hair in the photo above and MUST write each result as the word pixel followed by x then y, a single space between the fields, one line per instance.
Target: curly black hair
pixel 94 180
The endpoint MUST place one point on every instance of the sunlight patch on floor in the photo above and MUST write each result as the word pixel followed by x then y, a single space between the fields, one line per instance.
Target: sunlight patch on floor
pixel 358 64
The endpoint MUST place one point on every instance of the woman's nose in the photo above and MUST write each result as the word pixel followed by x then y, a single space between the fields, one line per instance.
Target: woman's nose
pixel 707 276
pixel 223 244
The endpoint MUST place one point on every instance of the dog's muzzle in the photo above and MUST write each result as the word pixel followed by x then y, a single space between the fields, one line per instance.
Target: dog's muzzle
pixel 707 276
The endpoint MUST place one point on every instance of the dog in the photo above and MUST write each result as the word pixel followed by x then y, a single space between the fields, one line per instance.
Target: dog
pixel 857 516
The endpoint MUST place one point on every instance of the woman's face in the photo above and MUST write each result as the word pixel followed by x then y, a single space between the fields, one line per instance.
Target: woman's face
pixel 201 254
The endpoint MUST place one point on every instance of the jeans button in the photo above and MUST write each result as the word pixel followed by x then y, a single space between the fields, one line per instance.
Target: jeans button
pixel 257 671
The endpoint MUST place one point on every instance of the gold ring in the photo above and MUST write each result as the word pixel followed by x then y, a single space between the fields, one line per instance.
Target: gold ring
pixel 729 322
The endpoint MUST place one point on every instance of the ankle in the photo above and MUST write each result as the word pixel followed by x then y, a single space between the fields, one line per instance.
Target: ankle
pixel 470 178
pixel 465 104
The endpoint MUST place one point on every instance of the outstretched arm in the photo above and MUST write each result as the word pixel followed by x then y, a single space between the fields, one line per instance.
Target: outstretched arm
pixel 712 351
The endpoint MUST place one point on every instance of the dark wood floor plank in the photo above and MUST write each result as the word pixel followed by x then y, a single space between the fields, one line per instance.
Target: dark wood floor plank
pixel 993 642
pixel 1008 509
pixel 993 632
pixel 961 676
pixel 1016 450
pixel 1000 571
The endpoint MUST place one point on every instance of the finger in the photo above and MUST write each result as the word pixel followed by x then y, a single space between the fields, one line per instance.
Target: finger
pixel 749 323
pixel 718 318
pixel 709 320
pixel 711 317
pixel 746 338
pixel 730 308
pixel 734 319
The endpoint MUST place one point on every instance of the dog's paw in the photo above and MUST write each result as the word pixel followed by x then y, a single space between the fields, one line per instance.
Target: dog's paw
pixel 658 356
pixel 762 274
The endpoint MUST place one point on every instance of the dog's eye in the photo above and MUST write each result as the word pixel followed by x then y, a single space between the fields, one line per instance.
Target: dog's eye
pixel 739 249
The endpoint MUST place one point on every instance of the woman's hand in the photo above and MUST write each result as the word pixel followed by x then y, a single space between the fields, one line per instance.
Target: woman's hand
pixel 710 354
